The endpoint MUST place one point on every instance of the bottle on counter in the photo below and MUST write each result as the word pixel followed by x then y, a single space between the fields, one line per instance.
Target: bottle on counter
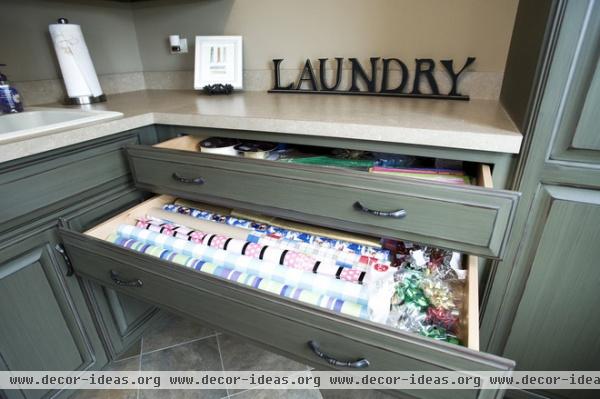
pixel 10 99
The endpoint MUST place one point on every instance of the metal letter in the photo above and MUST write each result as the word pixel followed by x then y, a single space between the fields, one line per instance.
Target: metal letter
pixel 322 72
pixel 428 74
pixel 448 64
pixel 358 71
pixel 386 71
pixel 311 76
pixel 277 86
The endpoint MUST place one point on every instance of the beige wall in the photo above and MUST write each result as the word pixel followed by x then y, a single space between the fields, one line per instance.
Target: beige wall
pixel 295 30
pixel 125 39
pixel 26 47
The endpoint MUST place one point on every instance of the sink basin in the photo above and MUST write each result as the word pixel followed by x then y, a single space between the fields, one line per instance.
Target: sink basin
pixel 42 121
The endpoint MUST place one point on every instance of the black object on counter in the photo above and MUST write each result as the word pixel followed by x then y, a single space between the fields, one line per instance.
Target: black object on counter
pixel 218 89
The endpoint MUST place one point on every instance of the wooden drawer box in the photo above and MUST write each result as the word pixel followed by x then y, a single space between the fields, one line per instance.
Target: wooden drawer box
pixel 471 219
pixel 284 325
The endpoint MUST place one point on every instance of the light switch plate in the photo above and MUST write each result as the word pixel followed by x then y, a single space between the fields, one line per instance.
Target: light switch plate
pixel 183 47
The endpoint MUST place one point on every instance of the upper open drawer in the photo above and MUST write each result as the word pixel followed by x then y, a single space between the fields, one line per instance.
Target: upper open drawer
pixel 470 218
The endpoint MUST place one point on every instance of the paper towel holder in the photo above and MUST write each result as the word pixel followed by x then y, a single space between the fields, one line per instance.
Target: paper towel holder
pixel 81 100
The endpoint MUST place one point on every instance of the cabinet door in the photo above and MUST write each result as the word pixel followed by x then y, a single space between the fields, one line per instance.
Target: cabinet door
pixel 577 137
pixel 44 320
pixel 557 322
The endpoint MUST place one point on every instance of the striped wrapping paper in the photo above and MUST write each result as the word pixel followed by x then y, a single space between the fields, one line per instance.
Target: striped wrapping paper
pixel 324 254
pixel 284 257
pixel 280 232
pixel 265 269
pixel 287 291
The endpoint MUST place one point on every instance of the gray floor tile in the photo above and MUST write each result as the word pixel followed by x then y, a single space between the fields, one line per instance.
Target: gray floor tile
pixel 131 364
pixel 172 330
pixel 134 350
pixel 197 356
pixel 241 355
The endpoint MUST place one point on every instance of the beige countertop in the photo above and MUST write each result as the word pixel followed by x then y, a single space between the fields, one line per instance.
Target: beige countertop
pixel 475 125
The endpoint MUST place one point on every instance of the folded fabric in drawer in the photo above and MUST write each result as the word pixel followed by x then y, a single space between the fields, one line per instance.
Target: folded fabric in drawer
pixel 272 271
pixel 285 290
pixel 284 257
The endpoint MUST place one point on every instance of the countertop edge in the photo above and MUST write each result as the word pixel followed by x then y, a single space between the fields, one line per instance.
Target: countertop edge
pixel 477 141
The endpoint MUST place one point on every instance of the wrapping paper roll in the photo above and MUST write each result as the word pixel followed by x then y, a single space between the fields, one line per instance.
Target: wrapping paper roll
pixel 323 254
pixel 268 270
pixel 287 224
pixel 314 230
pixel 269 253
pixel 280 233
pixel 199 224
pixel 75 62
pixel 284 290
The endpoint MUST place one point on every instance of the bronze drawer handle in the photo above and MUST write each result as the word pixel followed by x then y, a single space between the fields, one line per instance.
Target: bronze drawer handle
pixel 114 276
pixel 399 214
pixel 357 364
pixel 181 179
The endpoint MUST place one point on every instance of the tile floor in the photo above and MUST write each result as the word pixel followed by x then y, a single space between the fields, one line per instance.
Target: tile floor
pixel 181 344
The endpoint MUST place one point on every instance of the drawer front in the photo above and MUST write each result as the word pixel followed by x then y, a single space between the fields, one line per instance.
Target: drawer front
pixel 60 179
pixel 282 325
pixel 470 219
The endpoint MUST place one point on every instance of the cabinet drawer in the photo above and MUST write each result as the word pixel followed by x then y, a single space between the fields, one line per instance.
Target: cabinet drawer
pixel 467 218
pixel 36 187
pixel 284 325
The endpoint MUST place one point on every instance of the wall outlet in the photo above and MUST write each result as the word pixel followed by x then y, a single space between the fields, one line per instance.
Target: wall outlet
pixel 182 47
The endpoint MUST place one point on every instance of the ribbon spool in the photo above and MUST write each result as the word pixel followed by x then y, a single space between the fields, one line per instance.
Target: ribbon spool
pixel 218 145
pixel 255 149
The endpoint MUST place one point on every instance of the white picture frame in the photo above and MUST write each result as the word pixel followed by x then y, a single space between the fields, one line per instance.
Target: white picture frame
pixel 218 59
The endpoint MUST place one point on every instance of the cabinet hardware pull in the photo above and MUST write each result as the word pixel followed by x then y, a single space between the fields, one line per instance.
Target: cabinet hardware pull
pixel 61 250
pixel 181 179
pixel 114 276
pixel 399 214
pixel 357 364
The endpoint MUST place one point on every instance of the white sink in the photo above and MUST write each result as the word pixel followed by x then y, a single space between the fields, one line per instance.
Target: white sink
pixel 42 121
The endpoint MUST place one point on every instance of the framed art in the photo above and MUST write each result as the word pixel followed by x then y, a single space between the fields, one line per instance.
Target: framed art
pixel 218 60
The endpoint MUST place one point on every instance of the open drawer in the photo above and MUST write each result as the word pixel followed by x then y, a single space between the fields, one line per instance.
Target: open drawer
pixel 281 324
pixel 469 218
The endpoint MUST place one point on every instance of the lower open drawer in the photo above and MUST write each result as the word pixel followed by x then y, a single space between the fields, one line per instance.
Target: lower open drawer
pixel 284 325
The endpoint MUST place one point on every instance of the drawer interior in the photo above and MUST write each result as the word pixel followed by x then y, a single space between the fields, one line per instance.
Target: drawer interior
pixel 469 320
pixel 480 174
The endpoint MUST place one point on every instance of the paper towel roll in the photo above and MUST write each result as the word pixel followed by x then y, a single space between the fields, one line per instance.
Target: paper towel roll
pixel 75 62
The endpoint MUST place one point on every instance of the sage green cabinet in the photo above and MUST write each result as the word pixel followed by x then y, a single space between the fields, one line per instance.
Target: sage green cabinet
pixel 556 325
pixel 120 318
pixel 45 323
pixel 82 184
pixel 541 307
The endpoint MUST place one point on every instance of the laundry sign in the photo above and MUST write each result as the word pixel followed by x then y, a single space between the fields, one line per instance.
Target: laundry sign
pixel 373 83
